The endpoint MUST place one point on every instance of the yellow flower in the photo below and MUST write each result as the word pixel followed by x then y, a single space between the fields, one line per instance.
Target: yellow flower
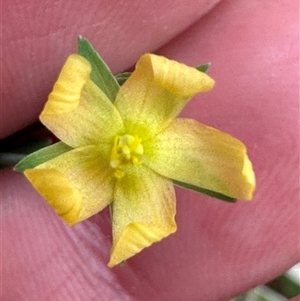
pixel 126 152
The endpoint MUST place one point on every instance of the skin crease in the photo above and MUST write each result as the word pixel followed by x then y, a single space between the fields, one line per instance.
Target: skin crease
pixel 219 250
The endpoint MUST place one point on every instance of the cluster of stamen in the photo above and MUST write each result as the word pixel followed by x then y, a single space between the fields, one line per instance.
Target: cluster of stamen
pixel 126 149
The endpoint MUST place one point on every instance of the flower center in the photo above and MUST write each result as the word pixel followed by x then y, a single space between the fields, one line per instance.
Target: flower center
pixel 127 149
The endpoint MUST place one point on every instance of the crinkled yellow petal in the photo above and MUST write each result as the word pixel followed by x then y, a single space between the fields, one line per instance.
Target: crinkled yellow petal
pixel 77 111
pixel 190 152
pixel 77 184
pixel 143 212
pixel 156 92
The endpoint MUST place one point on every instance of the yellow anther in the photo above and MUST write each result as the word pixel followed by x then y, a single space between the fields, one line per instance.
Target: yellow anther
pixel 114 163
pixel 139 149
pixel 127 149
pixel 119 173
pixel 126 140
pixel 126 152
pixel 136 160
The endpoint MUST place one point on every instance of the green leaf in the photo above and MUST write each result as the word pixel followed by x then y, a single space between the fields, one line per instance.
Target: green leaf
pixel 285 286
pixel 101 74
pixel 42 155
pixel 122 77
pixel 203 68
pixel 205 191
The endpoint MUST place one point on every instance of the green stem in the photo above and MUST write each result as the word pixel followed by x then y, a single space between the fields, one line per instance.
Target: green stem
pixel 10 159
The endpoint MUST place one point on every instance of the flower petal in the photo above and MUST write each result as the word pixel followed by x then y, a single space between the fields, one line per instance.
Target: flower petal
pixel 77 184
pixel 190 152
pixel 143 212
pixel 156 92
pixel 77 111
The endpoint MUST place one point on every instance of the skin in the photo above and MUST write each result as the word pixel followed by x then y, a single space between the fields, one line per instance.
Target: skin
pixel 220 250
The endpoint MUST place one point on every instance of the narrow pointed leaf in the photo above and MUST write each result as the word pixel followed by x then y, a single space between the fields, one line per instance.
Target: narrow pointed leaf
pixel 205 191
pixel 42 155
pixel 101 74
pixel 203 68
